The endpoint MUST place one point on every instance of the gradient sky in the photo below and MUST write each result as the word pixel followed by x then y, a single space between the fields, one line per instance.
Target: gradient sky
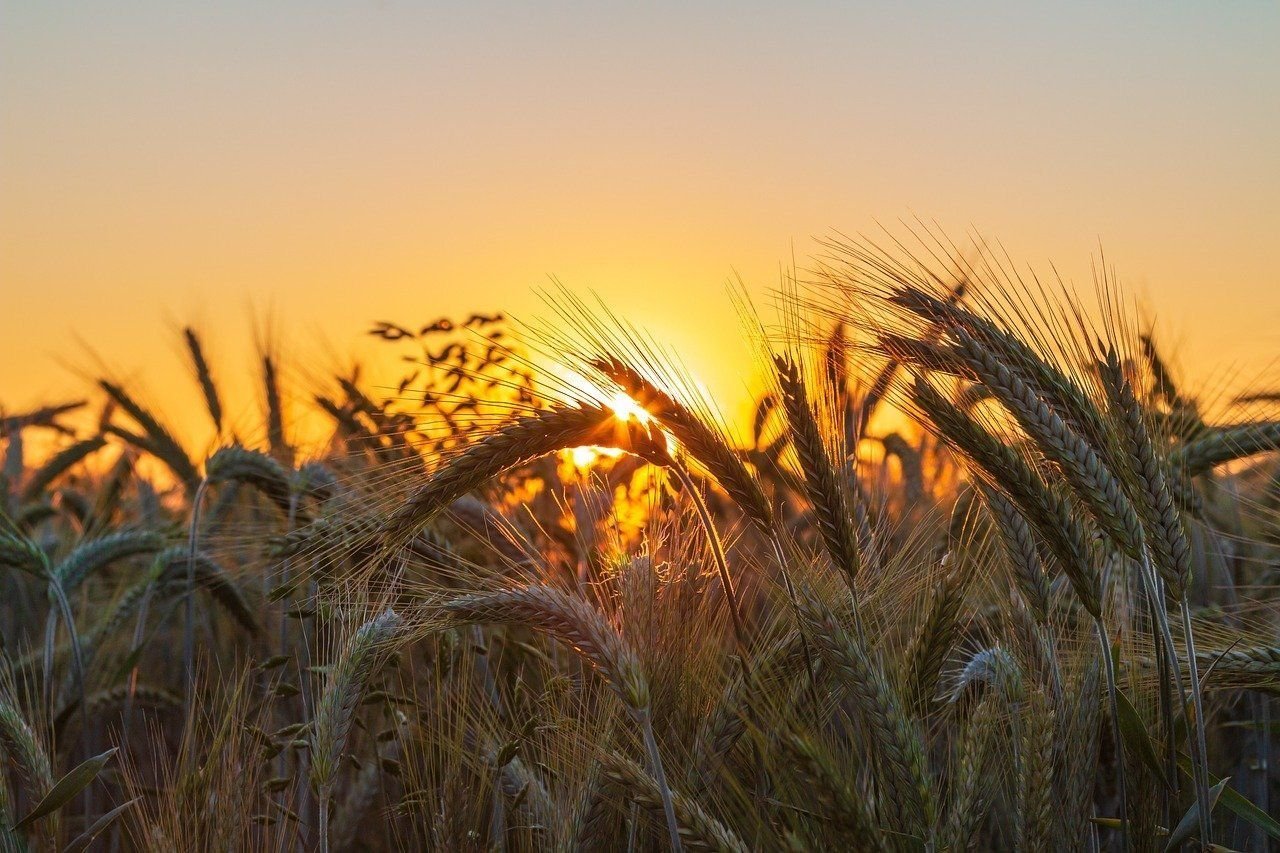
pixel 336 163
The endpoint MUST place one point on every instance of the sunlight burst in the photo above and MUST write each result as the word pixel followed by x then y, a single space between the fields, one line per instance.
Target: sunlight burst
pixel 625 409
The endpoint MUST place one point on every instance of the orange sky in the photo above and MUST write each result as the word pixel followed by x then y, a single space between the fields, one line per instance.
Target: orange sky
pixel 337 163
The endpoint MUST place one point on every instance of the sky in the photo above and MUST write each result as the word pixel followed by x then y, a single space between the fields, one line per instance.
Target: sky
pixel 318 166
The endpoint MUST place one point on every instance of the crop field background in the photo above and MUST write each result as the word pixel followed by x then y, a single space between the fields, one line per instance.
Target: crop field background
pixel 538 597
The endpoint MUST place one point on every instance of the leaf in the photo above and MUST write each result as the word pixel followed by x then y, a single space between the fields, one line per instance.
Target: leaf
pixel 1238 803
pixel 84 839
pixel 68 786
pixel 1138 739
pixel 1245 809
pixel 1187 826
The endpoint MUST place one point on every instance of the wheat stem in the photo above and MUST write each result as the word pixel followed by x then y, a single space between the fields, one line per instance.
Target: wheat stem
pixel 717 554
pixel 188 631
pixel 1109 666
pixel 660 776
pixel 1201 750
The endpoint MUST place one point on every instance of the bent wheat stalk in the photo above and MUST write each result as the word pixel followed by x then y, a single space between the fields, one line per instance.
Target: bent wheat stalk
pixel 701 441
pixel 1165 545
pixel 693 826
pixel 907 793
pixel 523 439
pixel 580 626
pixel 335 711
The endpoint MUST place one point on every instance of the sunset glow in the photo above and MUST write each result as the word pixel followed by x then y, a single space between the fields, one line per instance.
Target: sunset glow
pixel 627 409
pixel 586 456
pixel 327 167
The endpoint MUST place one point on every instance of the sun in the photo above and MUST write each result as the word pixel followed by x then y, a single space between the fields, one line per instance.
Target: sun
pixel 626 409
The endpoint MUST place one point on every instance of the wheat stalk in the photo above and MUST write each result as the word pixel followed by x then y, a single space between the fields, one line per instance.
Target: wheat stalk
pixel 1225 444
pixel 335 712
pixel 694 828
pixel 525 438
pixel 701 441
pixel 581 627
pixel 830 502
pixel 893 739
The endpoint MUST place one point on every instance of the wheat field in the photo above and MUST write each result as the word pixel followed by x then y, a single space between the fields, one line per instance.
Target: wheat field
pixel 980 573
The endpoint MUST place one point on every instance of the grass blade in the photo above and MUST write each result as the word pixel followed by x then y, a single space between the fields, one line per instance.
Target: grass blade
pixel 67 787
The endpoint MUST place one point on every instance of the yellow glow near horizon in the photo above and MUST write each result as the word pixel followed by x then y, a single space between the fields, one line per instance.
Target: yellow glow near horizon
pixel 334 166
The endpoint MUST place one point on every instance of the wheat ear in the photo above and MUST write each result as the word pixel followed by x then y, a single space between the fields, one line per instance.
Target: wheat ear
pixel 1225 444
pixel 844 807
pixel 26 749
pixel 831 505
pixel 968 797
pixel 895 743
pixel 1024 554
pixel 1081 466
pixel 336 709
pixel 701 441
pixel 523 439
pixel 935 637
pixel 1049 383
pixel 1048 513
pixel 205 377
pixel 694 827
pixel 58 464
pixel 580 626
